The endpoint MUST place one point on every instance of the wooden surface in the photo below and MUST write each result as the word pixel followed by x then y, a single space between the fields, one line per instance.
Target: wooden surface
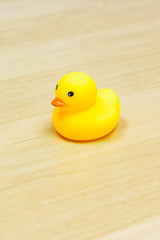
pixel 53 189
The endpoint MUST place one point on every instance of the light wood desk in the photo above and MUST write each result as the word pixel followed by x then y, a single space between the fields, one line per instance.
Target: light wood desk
pixel 53 189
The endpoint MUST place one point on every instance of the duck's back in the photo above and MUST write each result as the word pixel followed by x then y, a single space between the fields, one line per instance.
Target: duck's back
pixel 94 123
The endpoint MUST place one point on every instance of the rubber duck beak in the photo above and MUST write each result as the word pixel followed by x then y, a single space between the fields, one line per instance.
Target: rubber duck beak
pixel 58 103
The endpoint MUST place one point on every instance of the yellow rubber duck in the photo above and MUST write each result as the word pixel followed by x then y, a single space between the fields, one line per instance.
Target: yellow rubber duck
pixel 81 111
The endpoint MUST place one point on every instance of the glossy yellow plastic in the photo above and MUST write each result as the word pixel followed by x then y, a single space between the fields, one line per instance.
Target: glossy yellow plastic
pixel 81 111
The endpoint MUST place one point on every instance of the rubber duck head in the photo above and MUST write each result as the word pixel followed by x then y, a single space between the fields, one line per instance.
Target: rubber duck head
pixel 75 92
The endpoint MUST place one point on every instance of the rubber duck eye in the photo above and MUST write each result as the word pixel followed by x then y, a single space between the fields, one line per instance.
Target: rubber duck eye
pixel 70 94
pixel 56 86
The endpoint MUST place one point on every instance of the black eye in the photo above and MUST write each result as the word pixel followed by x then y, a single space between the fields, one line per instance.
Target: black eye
pixel 56 86
pixel 70 94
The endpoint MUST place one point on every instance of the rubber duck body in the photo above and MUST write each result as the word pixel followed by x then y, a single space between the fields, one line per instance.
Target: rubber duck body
pixel 82 112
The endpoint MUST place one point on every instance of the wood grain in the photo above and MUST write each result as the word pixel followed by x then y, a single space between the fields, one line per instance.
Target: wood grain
pixel 55 189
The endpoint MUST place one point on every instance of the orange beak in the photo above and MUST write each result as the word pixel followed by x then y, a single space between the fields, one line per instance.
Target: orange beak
pixel 58 103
